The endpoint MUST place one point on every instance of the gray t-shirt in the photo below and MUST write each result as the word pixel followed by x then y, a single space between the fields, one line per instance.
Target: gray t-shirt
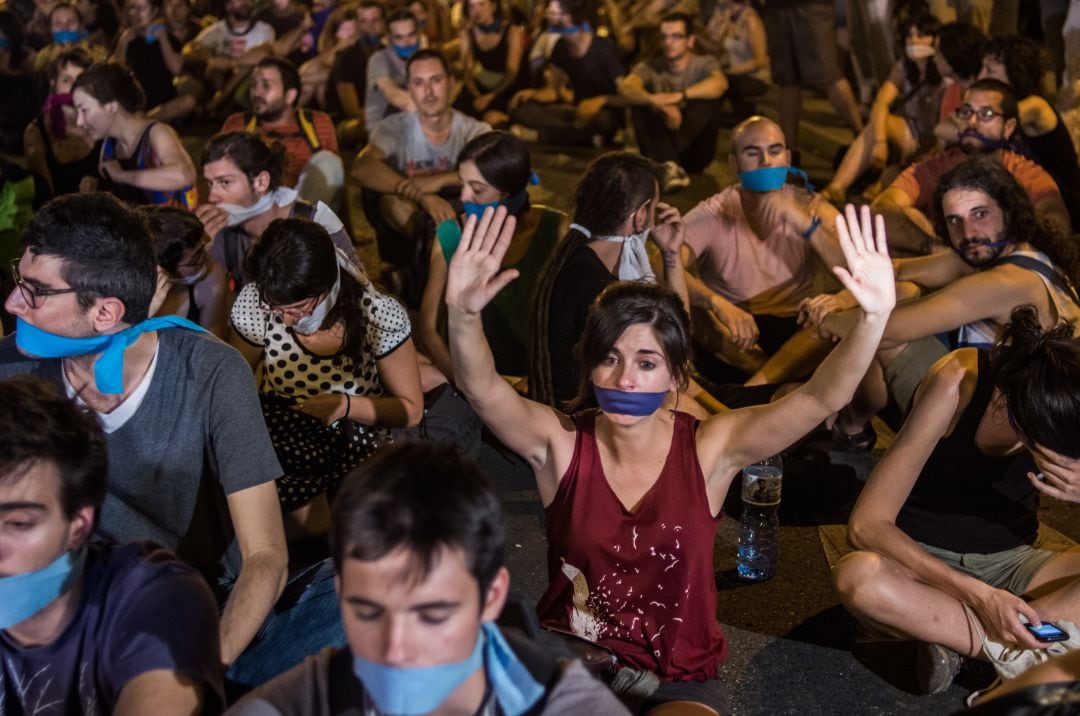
pixel 658 76
pixel 384 63
pixel 305 691
pixel 408 150
pixel 198 436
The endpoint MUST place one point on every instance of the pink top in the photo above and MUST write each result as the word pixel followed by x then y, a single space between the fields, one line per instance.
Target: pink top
pixel 641 582
pixel 761 275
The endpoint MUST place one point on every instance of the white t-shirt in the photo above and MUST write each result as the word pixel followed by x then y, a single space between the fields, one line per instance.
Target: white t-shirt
pixel 222 41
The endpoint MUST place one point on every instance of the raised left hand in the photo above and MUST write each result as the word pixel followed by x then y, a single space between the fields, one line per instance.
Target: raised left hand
pixel 869 275
pixel 327 407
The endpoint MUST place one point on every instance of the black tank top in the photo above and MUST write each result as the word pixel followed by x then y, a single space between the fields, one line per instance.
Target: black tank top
pixel 965 501
pixel 1056 153
pixel 66 177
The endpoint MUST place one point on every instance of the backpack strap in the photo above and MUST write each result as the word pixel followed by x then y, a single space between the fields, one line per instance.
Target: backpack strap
pixel 307 128
pixel 303 209
pixel 1050 273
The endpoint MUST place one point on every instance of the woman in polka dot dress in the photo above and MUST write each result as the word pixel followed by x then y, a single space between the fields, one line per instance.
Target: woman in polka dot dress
pixel 338 364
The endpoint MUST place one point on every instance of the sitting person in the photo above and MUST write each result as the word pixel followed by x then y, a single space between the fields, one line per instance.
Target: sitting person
pixel 571 108
pixel 675 103
pixel 1018 62
pixel 1001 257
pixel 492 57
pixel 616 207
pixel 190 283
pixel 634 490
pixel 904 113
pixel 191 465
pixel 347 83
pixel 142 160
pixel 756 248
pixel 55 148
pixel 89 627
pixel 495 170
pixel 958 55
pixel 407 168
pixel 947 526
pixel 352 374
pixel 735 33
pixel 418 531
pixel 387 78
pixel 156 58
pixel 68 29
pixel 312 164
pixel 990 118
pixel 244 174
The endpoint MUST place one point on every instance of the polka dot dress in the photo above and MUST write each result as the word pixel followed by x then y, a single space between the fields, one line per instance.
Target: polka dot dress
pixel 313 456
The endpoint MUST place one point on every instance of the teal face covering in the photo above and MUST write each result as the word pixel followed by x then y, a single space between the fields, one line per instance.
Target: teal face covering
pixel 421 690
pixel 770 178
pixel 24 595
pixel 407 51
pixel 109 367
pixel 513 204
pixel 67 37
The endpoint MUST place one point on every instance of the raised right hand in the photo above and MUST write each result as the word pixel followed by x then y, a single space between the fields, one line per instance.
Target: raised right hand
pixel 473 277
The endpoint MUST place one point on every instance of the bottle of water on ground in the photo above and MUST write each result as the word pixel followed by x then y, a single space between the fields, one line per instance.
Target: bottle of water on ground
pixel 759 528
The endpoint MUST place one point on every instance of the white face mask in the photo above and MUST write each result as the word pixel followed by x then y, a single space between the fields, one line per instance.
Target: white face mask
pixel 919 52
pixel 313 322
pixel 282 196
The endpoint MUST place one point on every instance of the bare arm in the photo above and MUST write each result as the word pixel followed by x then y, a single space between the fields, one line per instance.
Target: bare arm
pixel 161 692
pixel 395 95
pixel 350 102
pixel 1037 117
pixel 431 308
pixel 939 403
pixel 372 172
pixel 712 87
pixel 530 429
pixel 175 170
pixel 34 151
pixel 909 229
pixel 256 517
pixel 1051 209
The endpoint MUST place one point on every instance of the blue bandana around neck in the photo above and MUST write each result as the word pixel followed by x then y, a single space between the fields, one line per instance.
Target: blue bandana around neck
pixel 109 366
pixel 771 178
pixel 420 690
pixel 24 595
pixel 560 30
pixel 407 51
pixel 67 37
pixel 626 402
pixel 490 27
pixel 371 39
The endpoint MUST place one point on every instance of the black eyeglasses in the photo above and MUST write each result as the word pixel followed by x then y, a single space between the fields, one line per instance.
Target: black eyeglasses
pixel 30 294
pixel 982 115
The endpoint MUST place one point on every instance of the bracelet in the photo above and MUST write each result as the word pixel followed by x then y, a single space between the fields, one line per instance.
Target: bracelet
pixel 348 406
pixel 814 224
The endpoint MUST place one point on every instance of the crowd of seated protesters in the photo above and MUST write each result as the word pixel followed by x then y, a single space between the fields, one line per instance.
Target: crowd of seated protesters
pixel 218 383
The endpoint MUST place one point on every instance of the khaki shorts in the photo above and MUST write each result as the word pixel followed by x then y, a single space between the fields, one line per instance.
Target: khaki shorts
pixel 1011 570
pixel 904 372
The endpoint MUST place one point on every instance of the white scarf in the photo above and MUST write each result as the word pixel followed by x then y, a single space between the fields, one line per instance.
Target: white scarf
pixel 634 260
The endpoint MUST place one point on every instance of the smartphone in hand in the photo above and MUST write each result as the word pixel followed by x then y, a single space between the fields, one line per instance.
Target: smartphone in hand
pixel 1047 632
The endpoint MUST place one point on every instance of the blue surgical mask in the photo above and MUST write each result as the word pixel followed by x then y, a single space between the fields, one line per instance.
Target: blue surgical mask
pixel 489 27
pixel 569 30
pixel 371 39
pixel 418 690
pixel 770 178
pixel 513 204
pixel 407 51
pixel 626 402
pixel 109 366
pixel 24 595
pixel 66 37
pixel 150 37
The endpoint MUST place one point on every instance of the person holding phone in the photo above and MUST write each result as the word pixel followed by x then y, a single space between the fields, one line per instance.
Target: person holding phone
pixel 947 525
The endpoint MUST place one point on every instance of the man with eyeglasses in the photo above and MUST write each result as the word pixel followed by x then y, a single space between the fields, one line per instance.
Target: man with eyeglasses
pixel 988 123
pixel 675 103
pixel 191 465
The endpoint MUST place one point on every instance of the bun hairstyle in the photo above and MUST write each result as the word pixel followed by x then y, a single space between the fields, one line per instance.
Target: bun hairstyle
pixel 1038 375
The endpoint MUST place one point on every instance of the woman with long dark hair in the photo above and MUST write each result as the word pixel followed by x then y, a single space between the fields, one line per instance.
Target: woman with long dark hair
pixel 632 492
pixel 495 170
pixel 338 363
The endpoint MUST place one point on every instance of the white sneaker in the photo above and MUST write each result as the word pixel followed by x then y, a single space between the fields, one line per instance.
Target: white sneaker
pixel 675 177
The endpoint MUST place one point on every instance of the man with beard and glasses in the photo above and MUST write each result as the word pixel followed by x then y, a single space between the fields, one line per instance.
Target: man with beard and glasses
pixel 312 164
pixel 988 121
pixel 1002 257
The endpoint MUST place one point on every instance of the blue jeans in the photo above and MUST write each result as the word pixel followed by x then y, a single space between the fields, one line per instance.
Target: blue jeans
pixel 306 619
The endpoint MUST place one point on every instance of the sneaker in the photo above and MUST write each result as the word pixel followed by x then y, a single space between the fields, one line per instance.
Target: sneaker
pixel 675 177
pixel 935 668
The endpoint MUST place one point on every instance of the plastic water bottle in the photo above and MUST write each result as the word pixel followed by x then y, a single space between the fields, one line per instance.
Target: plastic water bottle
pixel 758 530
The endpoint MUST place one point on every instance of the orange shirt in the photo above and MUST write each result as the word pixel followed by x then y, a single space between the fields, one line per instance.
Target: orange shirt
pixel 297 149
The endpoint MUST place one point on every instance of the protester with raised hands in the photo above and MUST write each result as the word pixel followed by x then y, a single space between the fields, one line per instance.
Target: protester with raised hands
pixel 599 472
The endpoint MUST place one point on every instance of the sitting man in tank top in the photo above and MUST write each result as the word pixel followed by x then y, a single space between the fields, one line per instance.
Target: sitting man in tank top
pixel 1001 257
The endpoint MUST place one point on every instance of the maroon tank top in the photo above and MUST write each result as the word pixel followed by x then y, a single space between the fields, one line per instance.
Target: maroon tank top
pixel 640 583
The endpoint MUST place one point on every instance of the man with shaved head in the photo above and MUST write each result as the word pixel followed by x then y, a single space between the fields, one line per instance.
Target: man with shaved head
pixel 756 246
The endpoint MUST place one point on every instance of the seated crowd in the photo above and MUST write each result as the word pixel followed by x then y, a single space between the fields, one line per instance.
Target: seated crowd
pixel 205 377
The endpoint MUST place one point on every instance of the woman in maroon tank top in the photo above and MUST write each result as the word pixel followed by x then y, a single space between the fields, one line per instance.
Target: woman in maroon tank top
pixel 633 492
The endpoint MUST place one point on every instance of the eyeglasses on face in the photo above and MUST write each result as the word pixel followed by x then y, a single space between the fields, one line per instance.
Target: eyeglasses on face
pixel 32 295
pixel 982 115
